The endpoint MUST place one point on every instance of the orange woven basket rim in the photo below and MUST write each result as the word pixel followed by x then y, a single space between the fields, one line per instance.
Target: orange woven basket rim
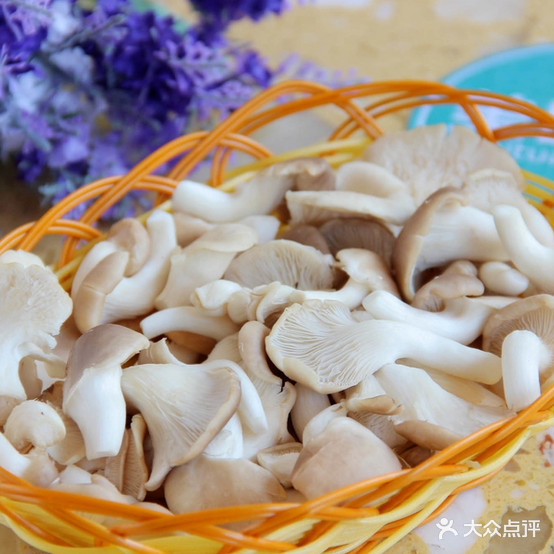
pixel 233 135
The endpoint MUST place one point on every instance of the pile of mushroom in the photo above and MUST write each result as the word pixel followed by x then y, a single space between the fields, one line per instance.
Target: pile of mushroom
pixel 218 356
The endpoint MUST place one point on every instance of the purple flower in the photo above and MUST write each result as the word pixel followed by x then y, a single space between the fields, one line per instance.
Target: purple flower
pixel 88 90
pixel 225 11
pixel 216 15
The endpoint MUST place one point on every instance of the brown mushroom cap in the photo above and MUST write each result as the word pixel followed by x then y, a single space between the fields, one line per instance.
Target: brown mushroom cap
pixel 534 313
pixel 307 235
pixel 355 232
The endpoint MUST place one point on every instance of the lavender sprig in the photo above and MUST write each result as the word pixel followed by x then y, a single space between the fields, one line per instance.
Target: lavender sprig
pixel 87 92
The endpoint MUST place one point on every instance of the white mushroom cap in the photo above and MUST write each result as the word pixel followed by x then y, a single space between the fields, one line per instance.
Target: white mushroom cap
pixel 320 345
pixel 427 158
pixel 206 483
pixel 443 229
pixel 203 261
pixel 345 452
pixel 184 407
pixel 92 389
pixel 423 400
pixel 285 261
pixel 35 467
pixel 34 423
pixel 34 306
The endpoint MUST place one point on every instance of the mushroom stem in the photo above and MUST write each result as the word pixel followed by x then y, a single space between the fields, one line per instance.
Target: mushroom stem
pixel 187 318
pixel 532 258
pixel 320 345
pixel 350 294
pixel 523 355
pixel 461 319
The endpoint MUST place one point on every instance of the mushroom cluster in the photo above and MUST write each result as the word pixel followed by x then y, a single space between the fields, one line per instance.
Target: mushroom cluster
pixel 218 356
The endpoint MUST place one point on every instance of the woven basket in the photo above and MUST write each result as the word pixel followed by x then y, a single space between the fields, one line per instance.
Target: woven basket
pixel 369 516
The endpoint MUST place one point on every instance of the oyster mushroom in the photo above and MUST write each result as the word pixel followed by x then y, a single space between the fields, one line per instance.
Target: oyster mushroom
pixel 431 416
pixel 261 195
pixel 277 397
pixel 533 258
pixel 527 357
pixel 461 319
pixel 92 389
pixel 345 452
pixel 285 261
pixel 35 467
pixel 205 483
pixel 503 278
pixel 428 158
pixel 33 308
pixel 128 470
pixel 368 396
pixel 362 190
pixel 184 407
pixel 131 236
pixel 322 346
pixel 317 207
pixel 105 295
pixel 34 424
pixel 189 319
pixel 203 261
pixel 355 232
pixel 489 188
pixel 367 273
pixel 443 229
pixel 307 235
pixel 457 280
pixel 20 257
pixel 308 404
pixel 280 460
